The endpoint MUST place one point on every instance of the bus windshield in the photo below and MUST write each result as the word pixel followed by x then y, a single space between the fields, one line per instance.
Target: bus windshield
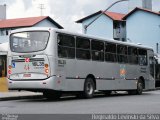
pixel 31 41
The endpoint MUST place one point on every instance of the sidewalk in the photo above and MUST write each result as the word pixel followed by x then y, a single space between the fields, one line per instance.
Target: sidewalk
pixel 13 95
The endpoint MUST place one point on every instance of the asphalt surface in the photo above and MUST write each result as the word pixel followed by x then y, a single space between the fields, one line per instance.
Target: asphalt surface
pixel 147 103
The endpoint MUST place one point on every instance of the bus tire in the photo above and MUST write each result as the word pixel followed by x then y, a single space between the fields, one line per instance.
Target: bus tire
pixel 89 88
pixel 139 88
pixel 52 95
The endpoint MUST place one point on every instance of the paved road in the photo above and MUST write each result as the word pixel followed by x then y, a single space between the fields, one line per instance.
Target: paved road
pixel 149 102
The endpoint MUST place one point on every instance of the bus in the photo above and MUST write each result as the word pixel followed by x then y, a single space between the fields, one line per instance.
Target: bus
pixel 54 62
pixel 157 70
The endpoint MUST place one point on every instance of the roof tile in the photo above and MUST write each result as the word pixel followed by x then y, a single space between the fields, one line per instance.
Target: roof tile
pixel 21 22
pixel 114 15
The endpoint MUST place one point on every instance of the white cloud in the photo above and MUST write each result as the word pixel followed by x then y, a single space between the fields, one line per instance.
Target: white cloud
pixel 19 10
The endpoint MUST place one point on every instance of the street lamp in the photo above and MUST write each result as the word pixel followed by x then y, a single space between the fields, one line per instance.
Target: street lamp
pixel 157 47
pixel 86 26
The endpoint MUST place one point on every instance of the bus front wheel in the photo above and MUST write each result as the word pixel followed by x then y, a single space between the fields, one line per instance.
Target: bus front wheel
pixel 89 88
pixel 139 88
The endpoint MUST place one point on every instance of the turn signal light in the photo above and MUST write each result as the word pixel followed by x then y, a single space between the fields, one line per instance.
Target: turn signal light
pixel 46 65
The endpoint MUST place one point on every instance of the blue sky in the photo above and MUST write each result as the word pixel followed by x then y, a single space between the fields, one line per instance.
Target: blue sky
pixel 65 12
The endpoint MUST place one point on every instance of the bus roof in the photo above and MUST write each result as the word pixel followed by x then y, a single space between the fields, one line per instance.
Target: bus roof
pixel 82 35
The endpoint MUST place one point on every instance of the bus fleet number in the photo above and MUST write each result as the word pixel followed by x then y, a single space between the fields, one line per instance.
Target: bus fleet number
pixel 38 63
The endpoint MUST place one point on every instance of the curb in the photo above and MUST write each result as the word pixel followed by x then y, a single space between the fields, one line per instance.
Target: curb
pixel 158 88
pixel 21 97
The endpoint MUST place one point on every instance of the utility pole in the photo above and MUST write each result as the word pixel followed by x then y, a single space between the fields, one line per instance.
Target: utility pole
pixel 157 46
pixel 41 7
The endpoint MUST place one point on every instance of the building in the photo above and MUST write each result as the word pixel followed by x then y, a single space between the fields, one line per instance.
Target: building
pixel 143 26
pixel 2 12
pixel 108 25
pixel 11 24
pixel 145 4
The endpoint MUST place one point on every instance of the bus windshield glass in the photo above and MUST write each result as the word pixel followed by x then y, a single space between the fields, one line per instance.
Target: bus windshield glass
pixel 29 41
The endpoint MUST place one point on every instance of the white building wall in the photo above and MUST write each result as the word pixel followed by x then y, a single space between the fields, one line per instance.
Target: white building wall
pixel 2 12
pixel 102 27
pixel 147 4
pixel 3 39
pixel 45 23
pixel 143 27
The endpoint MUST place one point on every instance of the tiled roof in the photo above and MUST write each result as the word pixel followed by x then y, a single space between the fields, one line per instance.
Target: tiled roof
pixel 112 15
pixel 136 9
pixel 25 22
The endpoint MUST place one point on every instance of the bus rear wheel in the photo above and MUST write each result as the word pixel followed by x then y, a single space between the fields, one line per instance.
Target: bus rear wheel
pixel 89 88
pixel 139 88
pixel 53 95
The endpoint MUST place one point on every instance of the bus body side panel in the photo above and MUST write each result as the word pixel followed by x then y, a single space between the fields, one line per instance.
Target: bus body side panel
pixel 107 75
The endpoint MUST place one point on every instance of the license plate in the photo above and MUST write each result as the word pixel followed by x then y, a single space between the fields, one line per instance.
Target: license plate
pixel 38 63
pixel 26 75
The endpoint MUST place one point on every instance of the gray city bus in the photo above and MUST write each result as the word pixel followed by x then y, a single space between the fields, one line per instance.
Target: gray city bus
pixel 55 61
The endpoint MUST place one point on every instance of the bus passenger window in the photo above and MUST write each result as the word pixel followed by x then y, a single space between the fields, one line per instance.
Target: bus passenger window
pixel 142 57
pixel 66 46
pixel 132 55
pixel 122 54
pixel 110 52
pixel 97 48
pixel 83 48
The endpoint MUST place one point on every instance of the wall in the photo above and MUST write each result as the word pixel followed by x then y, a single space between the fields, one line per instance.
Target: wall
pixel 102 27
pixel 45 23
pixel 147 4
pixel 3 39
pixel 144 28
pixel 2 12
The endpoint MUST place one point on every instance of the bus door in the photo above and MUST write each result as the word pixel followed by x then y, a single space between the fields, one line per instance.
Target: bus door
pixel 152 66
pixel 157 72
